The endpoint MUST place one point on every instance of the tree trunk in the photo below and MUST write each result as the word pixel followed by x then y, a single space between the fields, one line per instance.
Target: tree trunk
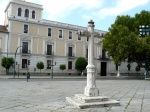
pixel 7 71
pixel 81 73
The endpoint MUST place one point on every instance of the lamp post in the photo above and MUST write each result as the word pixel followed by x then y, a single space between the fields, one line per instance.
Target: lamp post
pixel 144 30
pixel 15 61
pixel 18 70
pixel 52 64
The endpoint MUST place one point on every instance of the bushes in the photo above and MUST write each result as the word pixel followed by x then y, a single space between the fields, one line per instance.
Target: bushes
pixel 81 64
pixel 62 67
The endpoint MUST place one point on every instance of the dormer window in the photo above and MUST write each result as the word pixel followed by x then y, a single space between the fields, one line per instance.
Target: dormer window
pixel 19 11
pixel 33 14
pixel 26 13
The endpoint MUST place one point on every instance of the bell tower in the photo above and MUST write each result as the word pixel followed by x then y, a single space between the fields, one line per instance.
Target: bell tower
pixel 20 9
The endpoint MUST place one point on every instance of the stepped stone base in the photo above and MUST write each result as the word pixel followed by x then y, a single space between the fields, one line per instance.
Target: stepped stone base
pixel 82 101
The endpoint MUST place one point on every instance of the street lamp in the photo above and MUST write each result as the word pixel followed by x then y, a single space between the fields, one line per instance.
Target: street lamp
pixel 144 30
pixel 15 61
pixel 52 64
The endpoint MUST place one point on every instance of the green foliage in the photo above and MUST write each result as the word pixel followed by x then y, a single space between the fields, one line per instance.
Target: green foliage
pixel 149 68
pixel 40 65
pixel 137 68
pixel 81 64
pixel 7 63
pixel 62 66
pixel 122 41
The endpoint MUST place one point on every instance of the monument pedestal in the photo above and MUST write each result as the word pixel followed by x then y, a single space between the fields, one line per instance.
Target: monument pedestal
pixel 83 101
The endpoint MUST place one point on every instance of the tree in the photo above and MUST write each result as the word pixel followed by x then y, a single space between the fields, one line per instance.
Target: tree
pixel 137 69
pixel 81 64
pixel 62 67
pixel 7 63
pixel 40 65
pixel 128 67
pixel 123 43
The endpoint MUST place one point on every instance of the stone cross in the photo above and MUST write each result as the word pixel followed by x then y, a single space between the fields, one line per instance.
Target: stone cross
pixel 91 97
pixel 90 89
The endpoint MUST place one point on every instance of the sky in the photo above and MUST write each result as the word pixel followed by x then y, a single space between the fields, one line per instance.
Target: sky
pixel 79 12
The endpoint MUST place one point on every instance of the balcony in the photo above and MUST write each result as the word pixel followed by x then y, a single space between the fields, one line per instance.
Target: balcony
pixel 49 54
pixel 104 58
pixel 25 52
pixel 70 55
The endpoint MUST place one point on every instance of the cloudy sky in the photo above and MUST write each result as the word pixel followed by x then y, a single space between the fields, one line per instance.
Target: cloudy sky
pixel 79 12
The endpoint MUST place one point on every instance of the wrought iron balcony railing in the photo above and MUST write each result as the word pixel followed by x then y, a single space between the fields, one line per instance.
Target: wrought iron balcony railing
pixel 49 53
pixel 70 55
pixel 24 51
pixel 104 58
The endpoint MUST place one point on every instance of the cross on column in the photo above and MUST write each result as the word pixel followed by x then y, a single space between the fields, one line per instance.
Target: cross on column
pixel 90 89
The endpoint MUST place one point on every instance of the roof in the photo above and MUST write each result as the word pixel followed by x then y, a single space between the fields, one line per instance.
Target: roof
pixel 3 28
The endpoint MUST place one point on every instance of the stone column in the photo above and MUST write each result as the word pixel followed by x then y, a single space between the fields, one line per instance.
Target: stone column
pixel 91 97
pixel 90 89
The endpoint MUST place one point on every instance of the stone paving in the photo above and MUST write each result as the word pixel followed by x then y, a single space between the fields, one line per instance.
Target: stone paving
pixel 48 95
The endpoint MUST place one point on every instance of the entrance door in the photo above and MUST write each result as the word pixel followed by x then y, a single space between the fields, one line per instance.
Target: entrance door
pixel 103 68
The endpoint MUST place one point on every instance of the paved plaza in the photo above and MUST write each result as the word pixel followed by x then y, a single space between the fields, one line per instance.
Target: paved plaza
pixel 48 95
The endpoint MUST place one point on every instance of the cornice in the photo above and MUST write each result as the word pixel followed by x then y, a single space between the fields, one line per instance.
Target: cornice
pixel 50 23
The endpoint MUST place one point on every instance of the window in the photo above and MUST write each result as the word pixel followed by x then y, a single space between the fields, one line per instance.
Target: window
pixel 70 51
pixel 60 33
pixel 86 52
pixel 19 11
pixel 26 13
pixel 87 38
pixel 79 37
pixel 25 47
pixel 49 32
pixel 69 64
pixel 70 35
pixel 25 28
pixel 24 63
pixel 33 14
pixel 48 64
pixel 49 49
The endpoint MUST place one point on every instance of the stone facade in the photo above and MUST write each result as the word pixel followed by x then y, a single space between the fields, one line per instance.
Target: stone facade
pixel 38 39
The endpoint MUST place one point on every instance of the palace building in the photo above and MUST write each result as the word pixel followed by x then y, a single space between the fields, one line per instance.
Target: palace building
pixel 34 39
